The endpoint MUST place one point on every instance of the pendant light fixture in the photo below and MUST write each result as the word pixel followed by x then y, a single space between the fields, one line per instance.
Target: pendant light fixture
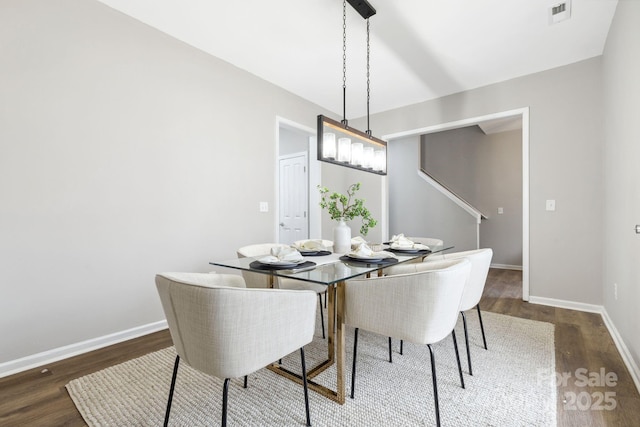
pixel 338 143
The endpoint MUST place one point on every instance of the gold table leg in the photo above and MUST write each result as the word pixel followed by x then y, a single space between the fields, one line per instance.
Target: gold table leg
pixel 335 350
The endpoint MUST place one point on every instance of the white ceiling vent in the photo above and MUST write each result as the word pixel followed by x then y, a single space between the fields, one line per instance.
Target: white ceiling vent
pixel 559 12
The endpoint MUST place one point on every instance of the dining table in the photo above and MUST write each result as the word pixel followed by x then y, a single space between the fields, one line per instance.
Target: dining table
pixel 331 270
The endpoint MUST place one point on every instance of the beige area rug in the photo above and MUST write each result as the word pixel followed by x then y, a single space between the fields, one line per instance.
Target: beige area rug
pixel 510 385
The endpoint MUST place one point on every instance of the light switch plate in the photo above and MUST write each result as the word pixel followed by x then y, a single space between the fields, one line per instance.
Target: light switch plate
pixel 264 206
pixel 500 211
pixel 551 205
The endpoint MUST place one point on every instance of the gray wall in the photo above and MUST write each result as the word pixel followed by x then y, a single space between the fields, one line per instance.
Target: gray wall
pixel 123 153
pixel 565 164
pixel 486 171
pixel 292 142
pixel 416 208
pixel 499 184
pixel 451 157
pixel 621 68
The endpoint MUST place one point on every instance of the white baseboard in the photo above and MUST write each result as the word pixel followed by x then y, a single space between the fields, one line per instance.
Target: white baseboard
pixel 570 305
pixel 631 364
pixel 507 267
pixel 33 361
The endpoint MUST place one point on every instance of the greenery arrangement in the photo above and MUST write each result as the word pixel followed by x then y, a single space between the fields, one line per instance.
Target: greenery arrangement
pixel 347 207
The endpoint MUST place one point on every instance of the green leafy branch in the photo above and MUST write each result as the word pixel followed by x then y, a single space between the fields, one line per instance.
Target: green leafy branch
pixel 341 206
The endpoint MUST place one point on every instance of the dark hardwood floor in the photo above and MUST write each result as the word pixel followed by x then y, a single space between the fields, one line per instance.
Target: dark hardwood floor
pixel 583 349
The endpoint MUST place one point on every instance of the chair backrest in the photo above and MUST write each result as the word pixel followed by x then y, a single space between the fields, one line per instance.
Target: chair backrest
pixel 480 262
pixel 224 329
pixel 257 280
pixel 420 306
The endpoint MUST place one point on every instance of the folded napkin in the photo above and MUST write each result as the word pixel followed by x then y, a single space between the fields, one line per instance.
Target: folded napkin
pixel 401 242
pixel 282 254
pixel 355 241
pixel 310 245
pixel 364 251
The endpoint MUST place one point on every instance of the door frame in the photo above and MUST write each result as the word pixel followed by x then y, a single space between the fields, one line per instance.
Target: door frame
pixel 314 169
pixel 523 113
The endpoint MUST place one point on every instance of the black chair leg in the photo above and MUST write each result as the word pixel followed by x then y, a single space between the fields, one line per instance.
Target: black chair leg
pixel 304 383
pixel 435 385
pixel 321 315
pixel 245 381
pixel 466 341
pixel 390 356
pixel 325 299
pixel 353 368
pixel 401 347
pixel 225 394
pixel 484 340
pixel 173 385
pixel 455 346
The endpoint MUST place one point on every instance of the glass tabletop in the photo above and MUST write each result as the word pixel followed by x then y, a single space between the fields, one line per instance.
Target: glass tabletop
pixel 328 269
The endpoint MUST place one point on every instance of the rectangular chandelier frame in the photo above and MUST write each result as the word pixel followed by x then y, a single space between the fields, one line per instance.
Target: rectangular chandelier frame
pixel 346 146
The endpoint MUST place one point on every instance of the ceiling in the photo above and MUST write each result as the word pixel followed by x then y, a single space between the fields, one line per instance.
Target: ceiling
pixel 420 49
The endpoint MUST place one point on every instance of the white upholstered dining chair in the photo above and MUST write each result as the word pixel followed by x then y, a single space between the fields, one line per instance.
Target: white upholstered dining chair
pixel 225 330
pixel 429 241
pixel 259 280
pixel 480 263
pixel 420 306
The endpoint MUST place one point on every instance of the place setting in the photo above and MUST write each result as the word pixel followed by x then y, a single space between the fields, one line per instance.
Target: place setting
pixel 363 254
pixel 313 247
pixel 282 258
pixel 402 245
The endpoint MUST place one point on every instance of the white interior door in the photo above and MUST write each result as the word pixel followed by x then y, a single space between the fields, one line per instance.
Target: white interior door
pixel 294 220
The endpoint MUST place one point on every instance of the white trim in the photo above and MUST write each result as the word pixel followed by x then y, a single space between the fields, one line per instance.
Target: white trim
pixel 524 113
pixel 571 305
pixel 525 204
pixel 314 177
pixel 632 366
pixel 627 358
pixel 470 209
pixel 315 173
pixel 33 361
pixel 457 124
pixel 507 267
pixel 455 199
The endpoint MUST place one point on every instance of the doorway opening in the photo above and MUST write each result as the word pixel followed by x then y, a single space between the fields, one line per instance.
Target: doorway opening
pixel 495 119
pixel 297 210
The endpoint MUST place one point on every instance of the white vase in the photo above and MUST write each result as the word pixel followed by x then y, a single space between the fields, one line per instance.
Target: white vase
pixel 341 238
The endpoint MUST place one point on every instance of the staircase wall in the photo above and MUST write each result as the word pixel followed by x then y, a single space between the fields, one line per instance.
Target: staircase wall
pixel 416 208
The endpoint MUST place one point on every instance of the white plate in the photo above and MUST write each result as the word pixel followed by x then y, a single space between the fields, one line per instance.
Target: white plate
pixel 282 263
pixel 407 250
pixel 364 258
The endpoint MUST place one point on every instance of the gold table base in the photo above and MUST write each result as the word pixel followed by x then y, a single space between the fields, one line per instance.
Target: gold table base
pixel 335 350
